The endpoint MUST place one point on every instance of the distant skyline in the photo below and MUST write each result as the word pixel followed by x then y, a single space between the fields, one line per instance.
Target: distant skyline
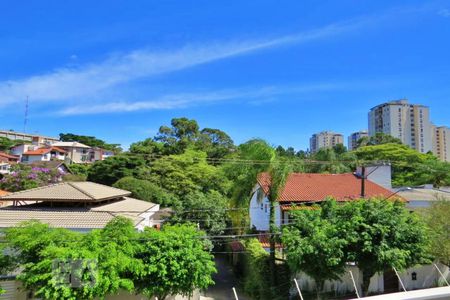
pixel 119 70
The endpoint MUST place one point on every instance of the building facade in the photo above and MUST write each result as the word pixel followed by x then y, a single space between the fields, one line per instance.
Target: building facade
pixel 325 139
pixel 408 122
pixel 441 142
pixel 38 140
pixel 355 137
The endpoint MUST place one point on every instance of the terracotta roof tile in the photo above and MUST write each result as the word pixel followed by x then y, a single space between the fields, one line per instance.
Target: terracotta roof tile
pixel 9 156
pixel 3 193
pixel 305 187
pixel 41 151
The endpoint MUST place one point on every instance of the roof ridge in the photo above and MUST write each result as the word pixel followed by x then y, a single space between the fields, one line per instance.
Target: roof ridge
pixel 103 185
pixel 81 190
pixel 35 189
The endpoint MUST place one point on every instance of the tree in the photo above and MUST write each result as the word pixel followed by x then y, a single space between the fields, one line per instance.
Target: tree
pixel 113 168
pixel 315 244
pixel 186 173
pixel 6 144
pixel 147 148
pixel 434 172
pixel 208 210
pixel 176 261
pixel 378 139
pixel 216 143
pixel 24 177
pixel 382 235
pixel 146 190
pixel 89 141
pixel 406 162
pixel 179 136
pixel 437 218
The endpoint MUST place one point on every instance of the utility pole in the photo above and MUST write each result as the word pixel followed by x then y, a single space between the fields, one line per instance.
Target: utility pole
pixel 25 119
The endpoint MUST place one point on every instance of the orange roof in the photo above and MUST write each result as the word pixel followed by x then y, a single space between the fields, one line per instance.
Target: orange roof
pixel 9 156
pixel 264 240
pixel 42 151
pixel 288 207
pixel 305 187
pixel 3 193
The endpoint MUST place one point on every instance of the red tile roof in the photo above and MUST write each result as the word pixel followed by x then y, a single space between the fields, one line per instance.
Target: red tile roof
pixel 305 187
pixel 9 156
pixel 264 240
pixel 42 151
pixel 3 193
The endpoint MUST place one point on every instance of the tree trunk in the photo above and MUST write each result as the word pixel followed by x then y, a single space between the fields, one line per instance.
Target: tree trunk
pixel 319 288
pixel 366 283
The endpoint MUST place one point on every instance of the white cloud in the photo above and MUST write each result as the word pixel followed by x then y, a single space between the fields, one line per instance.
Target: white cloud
pixel 254 96
pixel 72 83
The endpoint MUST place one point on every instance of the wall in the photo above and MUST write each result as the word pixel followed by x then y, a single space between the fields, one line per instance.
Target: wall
pixel 427 277
pixel 260 212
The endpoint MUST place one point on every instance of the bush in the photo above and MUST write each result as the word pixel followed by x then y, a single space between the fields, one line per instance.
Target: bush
pixel 146 190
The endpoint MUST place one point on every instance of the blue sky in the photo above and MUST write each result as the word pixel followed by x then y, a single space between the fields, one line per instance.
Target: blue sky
pixel 280 70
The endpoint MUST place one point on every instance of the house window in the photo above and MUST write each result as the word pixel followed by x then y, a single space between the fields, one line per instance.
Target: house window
pixel 262 206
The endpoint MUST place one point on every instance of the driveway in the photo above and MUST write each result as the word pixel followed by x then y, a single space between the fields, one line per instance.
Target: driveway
pixel 225 281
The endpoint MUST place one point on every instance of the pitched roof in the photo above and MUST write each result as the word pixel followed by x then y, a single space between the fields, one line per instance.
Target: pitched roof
pixel 9 156
pixel 75 218
pixel 70 144
pixel 69 192
pixel 304 187
pixel 41 151
pixel 424 194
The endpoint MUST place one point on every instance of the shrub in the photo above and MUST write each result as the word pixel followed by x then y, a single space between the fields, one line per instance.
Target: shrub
pixel 146 190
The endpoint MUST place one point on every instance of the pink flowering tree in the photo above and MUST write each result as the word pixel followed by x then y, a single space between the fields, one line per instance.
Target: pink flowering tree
pixel 25 177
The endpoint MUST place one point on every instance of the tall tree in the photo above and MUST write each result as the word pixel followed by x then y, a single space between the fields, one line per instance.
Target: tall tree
pixel 381 235
pixel 315 244
pixel 89 141
pixel 176 262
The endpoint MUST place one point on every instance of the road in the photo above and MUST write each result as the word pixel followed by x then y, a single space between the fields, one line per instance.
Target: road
pixel 225 281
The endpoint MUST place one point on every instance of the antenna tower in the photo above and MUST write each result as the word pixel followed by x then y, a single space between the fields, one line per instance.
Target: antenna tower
pixel 25 120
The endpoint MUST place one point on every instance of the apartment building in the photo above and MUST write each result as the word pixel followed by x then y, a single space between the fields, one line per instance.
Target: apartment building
pixel 355 137
pixel 441 142
pixel 325 139
pixel 35 139
pixel 408 122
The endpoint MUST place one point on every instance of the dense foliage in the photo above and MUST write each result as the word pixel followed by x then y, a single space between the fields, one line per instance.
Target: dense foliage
pixel 6 144
pixel 146 190
pixel 111 259
pixel 437 218
pixel 377 235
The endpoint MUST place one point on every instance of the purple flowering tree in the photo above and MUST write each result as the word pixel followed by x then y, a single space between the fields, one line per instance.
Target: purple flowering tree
pixel 24 177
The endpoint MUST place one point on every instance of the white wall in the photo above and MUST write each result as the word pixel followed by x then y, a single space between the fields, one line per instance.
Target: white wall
pixel 260 212
pixel 427 277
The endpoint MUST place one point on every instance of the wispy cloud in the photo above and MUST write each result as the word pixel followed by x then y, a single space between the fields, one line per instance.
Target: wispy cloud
pixel 253 96
pixel 71 83
pixel 444 12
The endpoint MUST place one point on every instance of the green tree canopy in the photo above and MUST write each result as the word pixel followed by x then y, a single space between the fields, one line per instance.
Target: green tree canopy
pixel 315 244
pixel 437 218
pixel 378 139
pixel 406 162
pixel 176 262
pixel 186 173
pixel 208 210
pixel 146 190
pixel 113 168
pixel 381 235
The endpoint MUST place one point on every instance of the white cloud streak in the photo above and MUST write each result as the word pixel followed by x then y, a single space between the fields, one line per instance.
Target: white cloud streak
pixel 90 80
pixel 252 96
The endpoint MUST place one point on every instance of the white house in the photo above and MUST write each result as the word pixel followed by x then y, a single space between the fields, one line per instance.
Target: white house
pixel 301 190
pixel 43 154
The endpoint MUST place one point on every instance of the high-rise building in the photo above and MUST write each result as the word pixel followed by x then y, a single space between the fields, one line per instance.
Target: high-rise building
pixel 408 122
pixel 355 137
pixel 325 139
pixel 441 142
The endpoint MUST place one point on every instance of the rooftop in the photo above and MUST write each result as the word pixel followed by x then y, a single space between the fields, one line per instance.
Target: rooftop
pixel 304 187
pixel 41 151
pixel 70 144
pixel 68 192
pixel 75 218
